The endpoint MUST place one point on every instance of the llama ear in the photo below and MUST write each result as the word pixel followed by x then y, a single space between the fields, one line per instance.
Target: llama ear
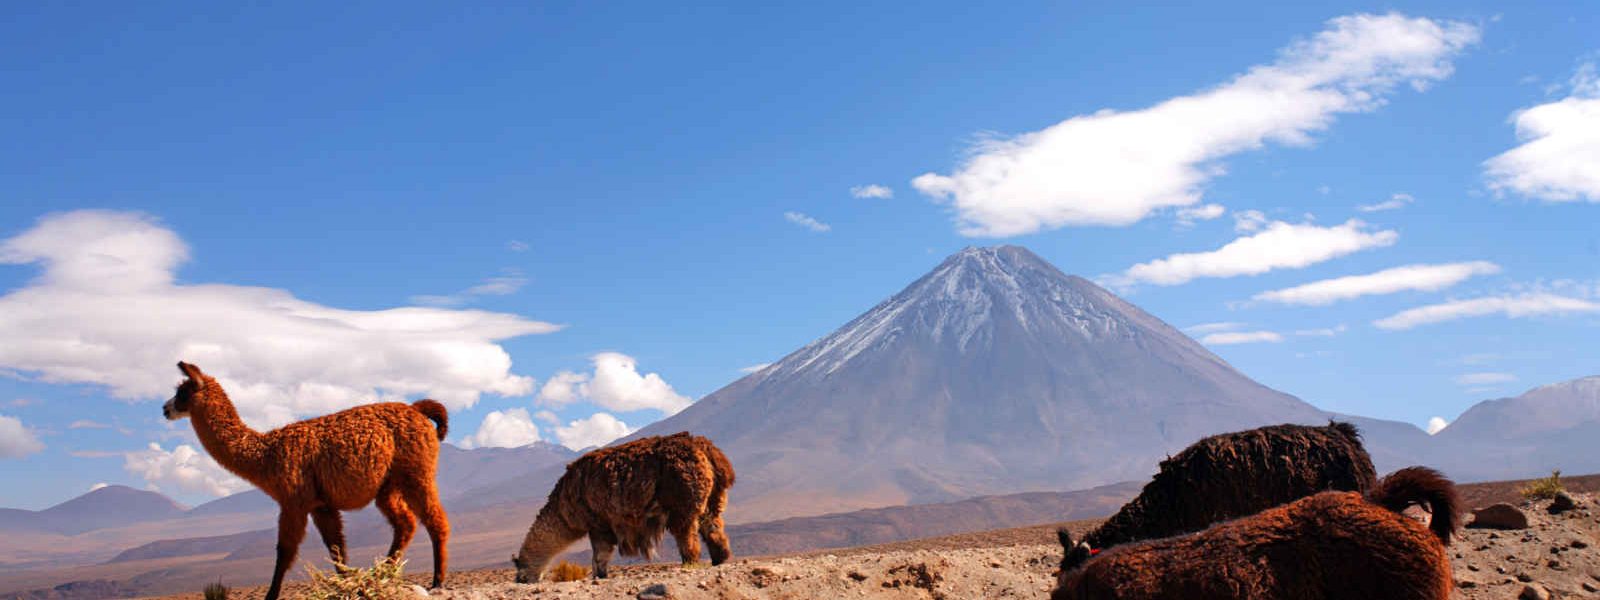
pixel 191 371
pixel 1065 537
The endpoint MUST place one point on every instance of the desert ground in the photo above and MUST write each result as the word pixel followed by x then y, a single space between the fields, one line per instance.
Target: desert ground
pixel 1555 555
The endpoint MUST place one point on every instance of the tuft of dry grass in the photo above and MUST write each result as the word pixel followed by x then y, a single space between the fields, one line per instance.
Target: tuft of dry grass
pixel 1544 489
pixel 565 571
pixel 215 591
pixel 384 581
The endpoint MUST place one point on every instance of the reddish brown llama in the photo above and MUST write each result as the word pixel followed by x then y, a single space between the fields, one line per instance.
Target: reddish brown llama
pixel 1330 546
pixel 1232 475
pixel 622 497
pixel 321 466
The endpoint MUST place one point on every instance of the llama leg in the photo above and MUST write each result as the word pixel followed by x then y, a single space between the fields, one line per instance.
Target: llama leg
pixel 424 499
pixel 601 544
pixel 331 526
pixel 683 530
pixel 716 539
pixel 291 530
pixel 404 524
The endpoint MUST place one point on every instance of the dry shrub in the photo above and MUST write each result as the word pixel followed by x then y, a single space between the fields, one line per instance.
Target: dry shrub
pixel 215 591
pixel 565 571
pixel 384 581
pixel 1545 488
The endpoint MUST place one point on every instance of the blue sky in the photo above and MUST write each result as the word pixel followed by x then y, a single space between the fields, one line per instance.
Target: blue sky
pixel 606 190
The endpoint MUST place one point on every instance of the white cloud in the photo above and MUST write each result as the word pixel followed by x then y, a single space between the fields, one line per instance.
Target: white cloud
pixel 614 385
pixel 547 417
pixel 1279 246
pixel 1482 379
pixel 1526 305
pixel 1559 159
pixel 1115 168
pixel 807 222
pixel 503 285
pixel 504 429
pixel 1214 327
pixel 1241 337
pixel 16 439
pixel 87 424
pixel 754 368
pixel 97 486
pixel 872 191
pixel 597 430
pixel 107 311
pixel 1189 215
pixel 517 246
pixel 184 469
pixel 1395 202
pixel 1249 221
pixel 1437 424
pixel 1426 278
pixel 1322 332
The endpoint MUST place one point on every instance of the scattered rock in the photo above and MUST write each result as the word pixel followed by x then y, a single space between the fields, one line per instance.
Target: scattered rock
pixel 659 591
pixel 418 591
pixel 1524 577
pixel 1563 502
pixel 1534 591
pixel 1499 516
pixel 856 575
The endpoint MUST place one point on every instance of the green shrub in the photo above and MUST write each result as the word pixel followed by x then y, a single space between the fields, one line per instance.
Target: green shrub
pixel 384 581
pixel 1545 488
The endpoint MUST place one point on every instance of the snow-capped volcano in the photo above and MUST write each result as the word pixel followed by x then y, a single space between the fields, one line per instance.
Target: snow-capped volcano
pixel 994 373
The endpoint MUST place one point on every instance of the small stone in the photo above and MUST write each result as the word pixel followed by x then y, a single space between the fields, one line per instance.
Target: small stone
pixel 1579 544
pixel 1498 516
pixel 1589 587
pixel 656 591
pixel 418 591
pixel 1524 577
pixel 856 575
pixel 1534 591
pixel 1473 568
pixel 1466 584
pixel 1563 502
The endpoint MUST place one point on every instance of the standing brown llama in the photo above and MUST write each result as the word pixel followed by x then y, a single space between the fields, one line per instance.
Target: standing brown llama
pixel 1330 546
pixel 321 466
pixel 1232 475
pixel 623 496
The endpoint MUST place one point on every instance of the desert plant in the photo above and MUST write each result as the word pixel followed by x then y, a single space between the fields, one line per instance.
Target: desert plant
pixel 1544 488
pixel 384 581
pixel 565 571
pixel 216 591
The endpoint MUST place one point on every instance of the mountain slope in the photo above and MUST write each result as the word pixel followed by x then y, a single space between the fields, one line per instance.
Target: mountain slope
pixel 994 373
pixel 109 506
pixel 1549 427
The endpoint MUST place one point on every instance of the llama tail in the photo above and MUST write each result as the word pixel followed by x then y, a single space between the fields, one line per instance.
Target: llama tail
pixel 1421 485
pixel 1347 430
pixel 723 468
pixel 434 412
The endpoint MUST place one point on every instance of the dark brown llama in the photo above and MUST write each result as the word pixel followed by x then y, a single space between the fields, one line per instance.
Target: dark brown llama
pixel 1232 475
pixel 321 466
pixel 623 496
pixel 1330 546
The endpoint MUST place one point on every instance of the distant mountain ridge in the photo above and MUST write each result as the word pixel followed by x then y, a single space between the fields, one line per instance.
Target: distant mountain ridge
pixel 108 506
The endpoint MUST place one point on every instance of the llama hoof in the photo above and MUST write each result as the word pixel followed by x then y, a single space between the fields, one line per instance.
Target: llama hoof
pixel 694 565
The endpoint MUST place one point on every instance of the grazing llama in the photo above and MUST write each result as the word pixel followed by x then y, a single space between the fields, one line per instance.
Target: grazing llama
pixel 1330 546
pixel 1232 475
pixel 321 466
pixel 623 496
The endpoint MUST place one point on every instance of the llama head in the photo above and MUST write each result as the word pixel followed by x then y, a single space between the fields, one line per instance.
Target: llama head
pixel 190 391
pixel 526 572
pixel 1072 553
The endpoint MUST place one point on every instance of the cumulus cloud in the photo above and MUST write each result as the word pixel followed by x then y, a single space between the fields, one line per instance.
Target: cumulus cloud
pixel 1482 379
pixel 871 191
pixel 807 222
pixel 504 429
pixel 1437 424
pixel 1279 246
pixel 183 469
pixel 1228 338
pixel 597 430
pixel 1516 307
pixel 615 384
pixel 107 310
pixel 1559 159
pixel 1426 278
pixel 17 440
pixel 1249 221
pixel 1115 168
pixel 547 417
pixel 1395 202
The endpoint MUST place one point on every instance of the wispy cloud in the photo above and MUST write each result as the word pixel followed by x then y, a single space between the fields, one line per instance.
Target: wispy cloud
pixel 503 285
pixel 1482 379
pixel 1516 307
pixel 1189 215
pixel 1228 338
pixel 872 191
pixel 1395 202
pixel 1427 278
pixel 1214 327
pixel 1115 168
pixel 754 368
pixel 807 222
pixel 1559 159
pixel 1279 246
pixel 517 246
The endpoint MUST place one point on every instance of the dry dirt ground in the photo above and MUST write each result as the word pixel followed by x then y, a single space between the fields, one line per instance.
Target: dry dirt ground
pixel 1557 553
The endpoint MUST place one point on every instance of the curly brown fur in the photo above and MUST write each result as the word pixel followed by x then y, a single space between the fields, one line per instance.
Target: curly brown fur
pixel 1235 474
pixel 625 496
pixel 318 467
pixel 1330 546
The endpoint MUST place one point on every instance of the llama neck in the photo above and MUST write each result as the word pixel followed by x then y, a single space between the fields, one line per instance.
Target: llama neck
pixel 549 535
pixel 234 445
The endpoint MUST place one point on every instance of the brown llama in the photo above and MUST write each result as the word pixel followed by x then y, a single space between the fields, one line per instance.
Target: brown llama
pixel 321 466
pixel 1232 475
pixel 1330 546
pixel 623 496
